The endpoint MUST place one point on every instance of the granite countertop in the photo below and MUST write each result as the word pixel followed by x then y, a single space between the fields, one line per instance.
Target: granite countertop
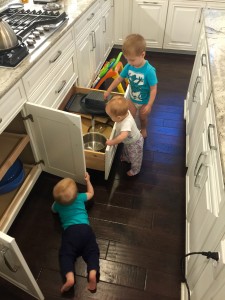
pixel 215 33
pixel 74 10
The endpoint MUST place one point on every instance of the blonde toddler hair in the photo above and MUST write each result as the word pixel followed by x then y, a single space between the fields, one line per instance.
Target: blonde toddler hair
pixel 134 44
pixel 65 191
pixel 118 106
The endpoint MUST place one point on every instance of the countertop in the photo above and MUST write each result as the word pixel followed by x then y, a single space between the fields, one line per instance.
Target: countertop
pixel 215 33
pixel 74 10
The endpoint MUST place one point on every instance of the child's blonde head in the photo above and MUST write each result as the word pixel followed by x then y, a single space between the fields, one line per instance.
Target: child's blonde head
pixel 117 106
pixel 134 44
pixel 65 191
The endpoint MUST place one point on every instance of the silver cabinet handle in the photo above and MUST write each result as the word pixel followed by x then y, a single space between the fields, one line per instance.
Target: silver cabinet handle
pixel 91 17
pixel 202 60
pixel 0 120
pixel 196 166
pixel 104 30
pixel 199 176
pixel 211 128
pixel 197 81
pixel 61 87
pixel 200 17
pixel 7 263
pixel 57 56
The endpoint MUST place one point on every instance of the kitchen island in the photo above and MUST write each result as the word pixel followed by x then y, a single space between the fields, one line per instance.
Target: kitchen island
pixel 215 33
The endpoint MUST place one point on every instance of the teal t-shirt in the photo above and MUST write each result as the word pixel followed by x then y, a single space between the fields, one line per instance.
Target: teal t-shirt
pixel 140 80
pixel 74 213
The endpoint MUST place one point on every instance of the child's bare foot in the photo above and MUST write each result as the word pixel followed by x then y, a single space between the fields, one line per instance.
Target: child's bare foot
pixel 92 281
pixel 70 281
pixel 144 133
pixel 130 173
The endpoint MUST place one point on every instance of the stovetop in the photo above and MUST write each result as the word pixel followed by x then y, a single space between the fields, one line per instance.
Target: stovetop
pixel 33 28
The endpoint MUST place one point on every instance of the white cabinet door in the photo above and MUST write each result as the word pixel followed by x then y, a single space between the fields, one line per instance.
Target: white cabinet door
pixel 107 31
pixel 183 25
pixel 96 48
pixel 122 20
pixel 59 141
pixel 14 268
pixel 149 20
pixel 84 60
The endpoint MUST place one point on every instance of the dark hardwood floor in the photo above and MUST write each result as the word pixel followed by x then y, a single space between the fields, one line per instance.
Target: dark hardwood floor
pixel 139 221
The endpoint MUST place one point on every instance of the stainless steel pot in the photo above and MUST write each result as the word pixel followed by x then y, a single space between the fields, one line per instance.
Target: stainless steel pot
pixel 8 38
pixel 94 141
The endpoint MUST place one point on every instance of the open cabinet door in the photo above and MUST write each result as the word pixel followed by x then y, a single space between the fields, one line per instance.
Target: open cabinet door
pixel 110 152
pixel 59 141
pixel 14 268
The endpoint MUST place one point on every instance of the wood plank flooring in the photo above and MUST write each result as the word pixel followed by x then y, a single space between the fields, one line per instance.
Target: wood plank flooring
pixel 139 221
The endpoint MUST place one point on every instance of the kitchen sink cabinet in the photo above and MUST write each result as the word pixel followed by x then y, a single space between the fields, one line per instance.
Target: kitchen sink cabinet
pixel 149 19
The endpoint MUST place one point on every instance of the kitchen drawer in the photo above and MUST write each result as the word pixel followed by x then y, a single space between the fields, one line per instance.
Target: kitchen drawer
pixel 101 161
pixel 11 104
pixel 63 80
pixel 87 19
pixel 49 65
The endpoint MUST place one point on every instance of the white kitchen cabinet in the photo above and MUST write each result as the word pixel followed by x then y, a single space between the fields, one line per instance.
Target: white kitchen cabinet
pixel 15 269
pixel 55 61
pixel 197 97
pixel 149 20
pixel 88 33
pixel 183 25
pixel 107 27
pixel 122 20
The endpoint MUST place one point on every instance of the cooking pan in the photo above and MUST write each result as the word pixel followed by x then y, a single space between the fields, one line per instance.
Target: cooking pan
pixel 94 141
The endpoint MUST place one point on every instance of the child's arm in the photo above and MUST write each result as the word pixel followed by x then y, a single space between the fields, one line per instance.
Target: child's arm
pixel 112 86
pixel 90 189
pixel 118 139
pixel 147 108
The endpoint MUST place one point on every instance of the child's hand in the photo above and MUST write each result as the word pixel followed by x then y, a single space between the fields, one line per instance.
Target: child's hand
pixel 106 95
pixel 87 177
pixel 109 143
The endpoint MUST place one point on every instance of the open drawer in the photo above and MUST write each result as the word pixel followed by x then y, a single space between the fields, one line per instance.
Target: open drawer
pixel 101 161
pixel 15 144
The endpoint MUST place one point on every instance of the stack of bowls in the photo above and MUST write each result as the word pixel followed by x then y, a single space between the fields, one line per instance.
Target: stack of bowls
pixel 13 177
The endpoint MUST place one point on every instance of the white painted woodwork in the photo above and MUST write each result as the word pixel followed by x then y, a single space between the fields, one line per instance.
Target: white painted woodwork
pixel 59 140
pixel 184 20
pixel 149 20
pixel 122 20
pixel 14 267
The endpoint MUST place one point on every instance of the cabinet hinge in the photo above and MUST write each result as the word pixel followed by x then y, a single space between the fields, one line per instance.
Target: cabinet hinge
pixel 28 117
pixel 39 162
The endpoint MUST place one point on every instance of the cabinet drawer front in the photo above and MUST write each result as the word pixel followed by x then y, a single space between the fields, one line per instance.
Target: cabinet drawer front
pixel 95 160
pixel 11 104
pixel 61 84
pixel 48 64
pixel 87 19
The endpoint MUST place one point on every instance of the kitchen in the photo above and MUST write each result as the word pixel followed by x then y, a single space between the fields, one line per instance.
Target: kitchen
pixel 37 87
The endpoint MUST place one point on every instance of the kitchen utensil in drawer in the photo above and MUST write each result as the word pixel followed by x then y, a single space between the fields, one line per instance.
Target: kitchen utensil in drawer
pixel 94 141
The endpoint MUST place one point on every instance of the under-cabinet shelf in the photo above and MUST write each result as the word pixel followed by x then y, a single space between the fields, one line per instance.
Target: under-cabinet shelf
pixel 11 147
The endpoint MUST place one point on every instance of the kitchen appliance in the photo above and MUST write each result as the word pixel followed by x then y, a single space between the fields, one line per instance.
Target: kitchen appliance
pixel 32 29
